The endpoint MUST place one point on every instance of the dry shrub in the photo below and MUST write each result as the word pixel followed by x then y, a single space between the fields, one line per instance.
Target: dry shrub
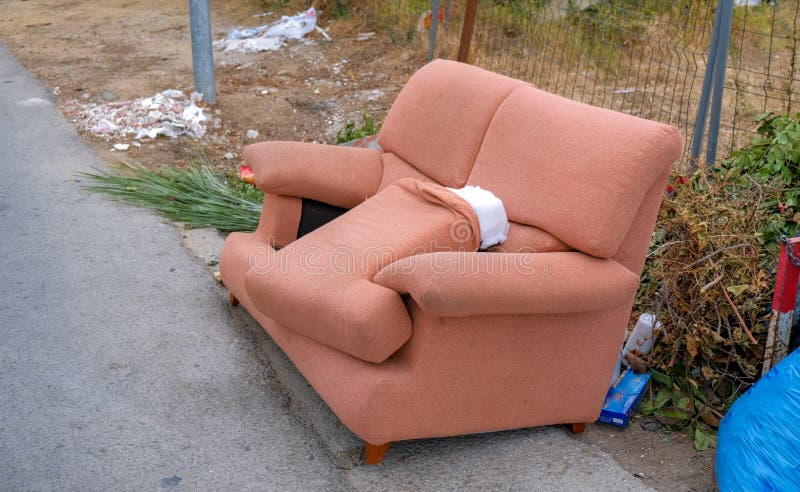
pixel 709 279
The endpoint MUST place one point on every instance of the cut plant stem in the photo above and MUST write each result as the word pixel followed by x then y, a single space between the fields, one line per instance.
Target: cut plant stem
pixel 738 315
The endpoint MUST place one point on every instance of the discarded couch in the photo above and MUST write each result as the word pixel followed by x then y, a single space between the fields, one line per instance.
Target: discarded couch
pixel 392 314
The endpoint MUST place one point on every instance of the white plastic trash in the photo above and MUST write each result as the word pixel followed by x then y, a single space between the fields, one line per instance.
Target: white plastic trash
pixel 642 336
pixel 270 37
pixel 640 339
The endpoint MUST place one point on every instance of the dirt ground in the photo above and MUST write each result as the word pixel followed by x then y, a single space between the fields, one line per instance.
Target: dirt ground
pixel 666 461
pixel 97 51
pixel 94 51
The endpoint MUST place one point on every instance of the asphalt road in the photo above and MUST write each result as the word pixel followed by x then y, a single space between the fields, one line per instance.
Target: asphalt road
pixel 122 368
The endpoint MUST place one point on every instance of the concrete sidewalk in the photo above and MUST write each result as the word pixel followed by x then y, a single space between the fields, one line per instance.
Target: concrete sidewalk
pixel 122 366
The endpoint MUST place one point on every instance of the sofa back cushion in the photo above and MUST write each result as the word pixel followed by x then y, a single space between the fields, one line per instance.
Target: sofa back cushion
pixel 576 171
pixel 439 119
pixel 395 168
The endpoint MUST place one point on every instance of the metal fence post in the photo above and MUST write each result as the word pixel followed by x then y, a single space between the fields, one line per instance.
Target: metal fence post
pixel 434 28
pixel 713 84
pixel 719 80
pixel 202 50
pixel 702 107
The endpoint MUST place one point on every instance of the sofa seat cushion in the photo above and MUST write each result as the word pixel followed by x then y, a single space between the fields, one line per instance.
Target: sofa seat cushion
pixel 528 239
pixel 321 285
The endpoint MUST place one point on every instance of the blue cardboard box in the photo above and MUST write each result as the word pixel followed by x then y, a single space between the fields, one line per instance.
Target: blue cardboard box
pixel 623 398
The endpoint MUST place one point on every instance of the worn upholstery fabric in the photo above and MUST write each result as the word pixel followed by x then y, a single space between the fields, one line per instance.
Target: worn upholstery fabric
pixel 457 284
pixel 465 356
pixel 340 176
pixel 523 238
pixel 576 171
pixel 465 375
pixel 395 168
pixel 239 250
pixel 321 285
pixel 633 250
pixel 438 121
pixel 278 226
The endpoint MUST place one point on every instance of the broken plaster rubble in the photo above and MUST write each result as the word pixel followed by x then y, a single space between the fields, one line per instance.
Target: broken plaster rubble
pixel 169 113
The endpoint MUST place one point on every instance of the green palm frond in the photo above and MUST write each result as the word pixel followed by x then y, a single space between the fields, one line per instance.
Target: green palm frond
pixel 196 195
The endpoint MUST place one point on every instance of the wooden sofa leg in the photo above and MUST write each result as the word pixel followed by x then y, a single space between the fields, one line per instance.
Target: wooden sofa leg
pixel 577 428
pixel 375 452
pixel 234 300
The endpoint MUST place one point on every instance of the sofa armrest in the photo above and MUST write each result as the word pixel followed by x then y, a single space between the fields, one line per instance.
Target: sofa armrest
pixel 280 219
pixel 469 284
pixel 341 176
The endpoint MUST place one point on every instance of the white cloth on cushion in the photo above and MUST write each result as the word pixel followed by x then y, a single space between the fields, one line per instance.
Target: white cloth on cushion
pixel 491 214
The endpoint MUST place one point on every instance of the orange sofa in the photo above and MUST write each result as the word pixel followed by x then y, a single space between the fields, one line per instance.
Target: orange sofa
pixel 445 340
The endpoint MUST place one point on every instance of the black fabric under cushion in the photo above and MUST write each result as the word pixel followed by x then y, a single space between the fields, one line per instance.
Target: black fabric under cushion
pixel 315 214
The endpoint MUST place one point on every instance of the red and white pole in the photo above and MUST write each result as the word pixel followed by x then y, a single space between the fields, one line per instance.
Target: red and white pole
pixel 780 324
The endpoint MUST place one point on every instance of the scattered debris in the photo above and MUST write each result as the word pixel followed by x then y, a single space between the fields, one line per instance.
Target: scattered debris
pixel 167 113
pixel 623 398
pixel 365 36
pixel 122 147
pixel 104 126
pixel 251 134
pixel 637 361
pixel 247 175
pixel 34 101
pixel 324 34
pixel 426 19
pixel 640 341
pixel 625 90
pixel 336 68
pixel 637 345
pixel 228 156
pixel 374 95
pixel 271 37
pixel 312 105
pixel 651 425
pixel 107 95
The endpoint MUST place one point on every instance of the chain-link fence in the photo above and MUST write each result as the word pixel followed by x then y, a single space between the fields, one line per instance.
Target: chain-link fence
pixel 643 57
pixel 762 66
pixel 399 19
